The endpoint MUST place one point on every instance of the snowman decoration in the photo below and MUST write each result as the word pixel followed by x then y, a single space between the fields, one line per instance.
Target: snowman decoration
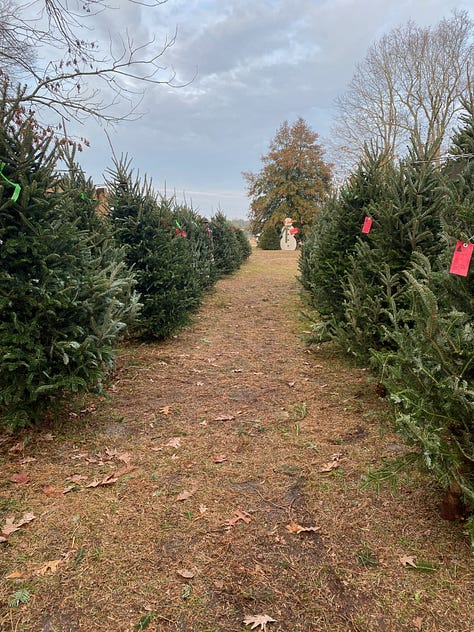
pixel 287 236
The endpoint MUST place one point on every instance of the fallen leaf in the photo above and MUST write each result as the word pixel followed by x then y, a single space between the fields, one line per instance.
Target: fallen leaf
pixel 125 458
pixel 15 575
pixel 49 490
pixel 111 453
pixel 239 515
pixel 21 478
pixel 77 479
pixel 48 437
pixel 108 480
pixel 11 526
pixel 418 623
pixel 175 442
pixel 408 560
pixel 186 494
pixel 202 509
pixel 328 467
pixel 48 567
pixel 18 447
pixel 293 527
pixel 166 410
pixel 259 620
pixel 224 418
pixel 220 459
pixel 185 573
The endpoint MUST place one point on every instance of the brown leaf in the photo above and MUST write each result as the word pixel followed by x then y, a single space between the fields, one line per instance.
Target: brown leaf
pixel 18 447
pixel 108 480
pixel 259 620
pixel 328 467
pixel 175 442
pixel 166 410
pixel 418 623
pixel 11 526
pixel 48 567
pixel 49 490
pixel 126 469
pixel 408 560
pixel 186 494
pixel 77 479
pixel 239 515
pixel 224 418
pixel 220 458
pixel 185 573
pixel 15 575
pixel 21 478
pixel 293 527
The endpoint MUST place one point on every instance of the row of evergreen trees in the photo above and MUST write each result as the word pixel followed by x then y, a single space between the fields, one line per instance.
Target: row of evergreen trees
pixel 74 281
pixel 387 296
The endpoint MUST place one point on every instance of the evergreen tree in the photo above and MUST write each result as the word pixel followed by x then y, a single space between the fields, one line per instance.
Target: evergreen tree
pixel 270 237
pixel 325 256
pixel 158 252
pixel 228 254
pixel 405 221
pixel 59 313
pixel 199 236
pixel 293 182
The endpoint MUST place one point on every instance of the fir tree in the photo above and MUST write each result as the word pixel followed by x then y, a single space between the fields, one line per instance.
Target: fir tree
pixel 59 317
pixel 157 251
pixel 228 254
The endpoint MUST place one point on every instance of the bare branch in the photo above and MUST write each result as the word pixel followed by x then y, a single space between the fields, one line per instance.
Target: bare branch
pixel 84 80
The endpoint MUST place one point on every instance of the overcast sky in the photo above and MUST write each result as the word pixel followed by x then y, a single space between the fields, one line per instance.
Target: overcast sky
pixel 256 64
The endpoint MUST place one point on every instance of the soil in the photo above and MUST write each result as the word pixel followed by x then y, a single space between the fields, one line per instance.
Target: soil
pixel 225 476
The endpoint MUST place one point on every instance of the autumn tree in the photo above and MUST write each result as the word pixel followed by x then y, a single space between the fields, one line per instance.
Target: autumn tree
pixel 410 86
pixel 293 182
pixel 52 63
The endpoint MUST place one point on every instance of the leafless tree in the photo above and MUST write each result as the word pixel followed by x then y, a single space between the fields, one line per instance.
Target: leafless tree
pixel 409 86
pixel 50 60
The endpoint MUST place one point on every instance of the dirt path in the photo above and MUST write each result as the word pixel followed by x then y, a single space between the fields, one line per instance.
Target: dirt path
pixel 191 483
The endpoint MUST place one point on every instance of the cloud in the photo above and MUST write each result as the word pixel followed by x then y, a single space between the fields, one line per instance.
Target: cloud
pixel 256 64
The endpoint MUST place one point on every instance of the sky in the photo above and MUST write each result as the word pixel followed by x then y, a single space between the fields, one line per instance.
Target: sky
pixel 244 67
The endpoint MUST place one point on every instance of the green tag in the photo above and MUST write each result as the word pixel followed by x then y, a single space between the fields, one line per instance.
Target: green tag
pixel 17 187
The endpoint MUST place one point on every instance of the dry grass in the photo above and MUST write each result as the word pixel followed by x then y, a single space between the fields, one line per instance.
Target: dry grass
pixel 253 416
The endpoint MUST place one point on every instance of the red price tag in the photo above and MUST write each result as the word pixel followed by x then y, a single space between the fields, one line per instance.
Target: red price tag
pixel 461 258
pixel 367 225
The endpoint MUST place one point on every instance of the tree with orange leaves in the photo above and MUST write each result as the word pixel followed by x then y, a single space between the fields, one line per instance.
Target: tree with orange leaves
pixel 293 182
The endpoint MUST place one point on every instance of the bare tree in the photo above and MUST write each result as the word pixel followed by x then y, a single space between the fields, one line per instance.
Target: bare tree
pixel 50 61
pixel 410 85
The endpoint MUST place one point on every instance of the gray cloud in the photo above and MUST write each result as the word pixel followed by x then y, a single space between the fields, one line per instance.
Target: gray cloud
pixel 258 64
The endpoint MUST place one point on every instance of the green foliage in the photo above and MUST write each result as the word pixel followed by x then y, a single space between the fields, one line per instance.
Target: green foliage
pixel 293 182
pixel 244 244
pixel 19 597
pixel 61 308
pixel 270 237
pixel 169 280
pixel 325 255
pixel 228 253
pixel 389 299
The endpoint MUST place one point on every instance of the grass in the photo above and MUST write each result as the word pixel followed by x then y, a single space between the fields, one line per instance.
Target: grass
pixel 122 546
